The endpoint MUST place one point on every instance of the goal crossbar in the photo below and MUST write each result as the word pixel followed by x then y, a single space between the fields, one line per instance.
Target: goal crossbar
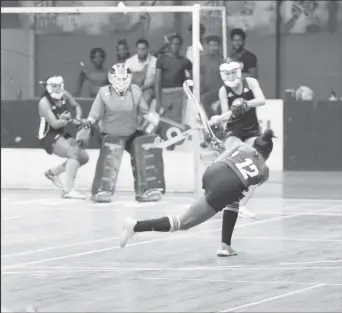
pixel 109 9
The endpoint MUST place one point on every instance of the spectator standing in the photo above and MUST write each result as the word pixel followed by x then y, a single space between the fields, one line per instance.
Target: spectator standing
pixel 143 67
pixel 170 75
pixel 96 76
pixel 247 59
pixel 211 81
pixel 122 51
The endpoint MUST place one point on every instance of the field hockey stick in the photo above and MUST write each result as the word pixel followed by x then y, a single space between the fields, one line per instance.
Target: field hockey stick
pixel 216 143
pixel 159 143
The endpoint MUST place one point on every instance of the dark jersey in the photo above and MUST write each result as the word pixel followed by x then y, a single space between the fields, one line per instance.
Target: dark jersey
pixel 249 120
pixel 248 165
pixel 44 127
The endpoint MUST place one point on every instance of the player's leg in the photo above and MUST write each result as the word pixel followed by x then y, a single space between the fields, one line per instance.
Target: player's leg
pixel 198 213
pixel 229 218
pixel 76 157
pixel 149 185
pixel 107 168
pixel 218 193
pixel 53 174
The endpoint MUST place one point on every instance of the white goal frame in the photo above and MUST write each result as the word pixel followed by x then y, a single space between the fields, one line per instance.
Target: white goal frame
pixel 195 10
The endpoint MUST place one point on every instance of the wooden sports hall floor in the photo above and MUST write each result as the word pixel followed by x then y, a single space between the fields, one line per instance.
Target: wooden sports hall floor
pixel 63 255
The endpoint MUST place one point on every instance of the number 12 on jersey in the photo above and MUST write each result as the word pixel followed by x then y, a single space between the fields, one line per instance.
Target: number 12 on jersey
pixel 247 168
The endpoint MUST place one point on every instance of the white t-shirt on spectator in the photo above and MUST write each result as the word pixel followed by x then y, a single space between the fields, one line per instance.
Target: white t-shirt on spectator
pixel 135 65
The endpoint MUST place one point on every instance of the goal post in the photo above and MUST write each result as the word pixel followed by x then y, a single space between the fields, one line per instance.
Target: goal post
pixel 195 10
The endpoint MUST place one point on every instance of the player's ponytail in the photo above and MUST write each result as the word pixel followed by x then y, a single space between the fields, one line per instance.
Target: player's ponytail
pixel 264 143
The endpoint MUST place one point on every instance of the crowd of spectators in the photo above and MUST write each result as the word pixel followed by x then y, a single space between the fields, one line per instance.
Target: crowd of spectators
pixel 161 75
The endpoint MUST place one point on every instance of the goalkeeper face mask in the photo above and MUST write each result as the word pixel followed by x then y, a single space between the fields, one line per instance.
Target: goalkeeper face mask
pixel 231 74
pixel 55 87
pixel 120 77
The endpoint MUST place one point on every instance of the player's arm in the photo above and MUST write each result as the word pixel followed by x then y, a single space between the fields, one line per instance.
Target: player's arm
pixel 46 112
pixel 74 104
pixel 151 74
pixel 259 98
pixel 79 84
pixel 143 108
pixel 226 113
pixel 265 174
pixel 97 109
pixel 189 67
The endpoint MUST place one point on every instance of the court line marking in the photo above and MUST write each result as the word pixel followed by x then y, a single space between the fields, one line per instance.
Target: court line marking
pixel 187 235
pixel 186 195
pixel 61 270
pixel 86 242
pixel 10 218
pixel 58 247
pixel 313 262
pixel 115 238
pixel 165 200
pixel 190 279
pixel 287 238
pixel 284 295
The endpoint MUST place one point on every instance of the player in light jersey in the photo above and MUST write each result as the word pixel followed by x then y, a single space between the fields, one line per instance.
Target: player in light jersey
pixel 54 116
pixel 241 95
pixel 224 183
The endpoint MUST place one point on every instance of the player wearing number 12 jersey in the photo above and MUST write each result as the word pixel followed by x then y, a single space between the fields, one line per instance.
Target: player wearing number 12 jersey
pixel 224 183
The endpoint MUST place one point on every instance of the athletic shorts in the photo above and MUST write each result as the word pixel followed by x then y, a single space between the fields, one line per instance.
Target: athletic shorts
pixel 241 132
pixel 51 137
pixel 221 186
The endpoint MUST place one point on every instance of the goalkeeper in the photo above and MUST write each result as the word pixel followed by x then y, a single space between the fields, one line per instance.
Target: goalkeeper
pixel 118 108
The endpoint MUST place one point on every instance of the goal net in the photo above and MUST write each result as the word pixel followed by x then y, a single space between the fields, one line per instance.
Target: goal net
pixel 40 39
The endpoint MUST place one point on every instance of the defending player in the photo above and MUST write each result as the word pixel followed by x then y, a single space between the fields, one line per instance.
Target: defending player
pixel 118 108
pixel 224 183
pixel 241 96
pixel 54 116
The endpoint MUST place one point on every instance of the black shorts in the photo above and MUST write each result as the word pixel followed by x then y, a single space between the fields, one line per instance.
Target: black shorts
pixel 242 132
pixel 50 138
pixel 222 186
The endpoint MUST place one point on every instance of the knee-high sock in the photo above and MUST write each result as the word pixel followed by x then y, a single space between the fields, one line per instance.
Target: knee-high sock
pixel 71 168
pixel 229 218
pixel 163 224
pixel 59 169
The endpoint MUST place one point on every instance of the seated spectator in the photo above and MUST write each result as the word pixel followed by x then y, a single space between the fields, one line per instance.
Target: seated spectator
pixel 170 75
pixel 247 58
pixel 122 51
pixel 189 49
pixel 211 81
pixel 96 76
pixel 143 67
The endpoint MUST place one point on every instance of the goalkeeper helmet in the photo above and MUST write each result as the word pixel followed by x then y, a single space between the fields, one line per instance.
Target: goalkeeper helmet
pixel 120 77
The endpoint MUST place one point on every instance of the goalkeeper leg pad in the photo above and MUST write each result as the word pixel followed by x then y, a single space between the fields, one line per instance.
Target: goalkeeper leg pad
pixel 107 168
pixel 148 169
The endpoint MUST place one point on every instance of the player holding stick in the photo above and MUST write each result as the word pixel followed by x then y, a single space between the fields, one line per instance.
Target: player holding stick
pixel 54 116
pixel 118 108
pixel 224 183
pixel 239 97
